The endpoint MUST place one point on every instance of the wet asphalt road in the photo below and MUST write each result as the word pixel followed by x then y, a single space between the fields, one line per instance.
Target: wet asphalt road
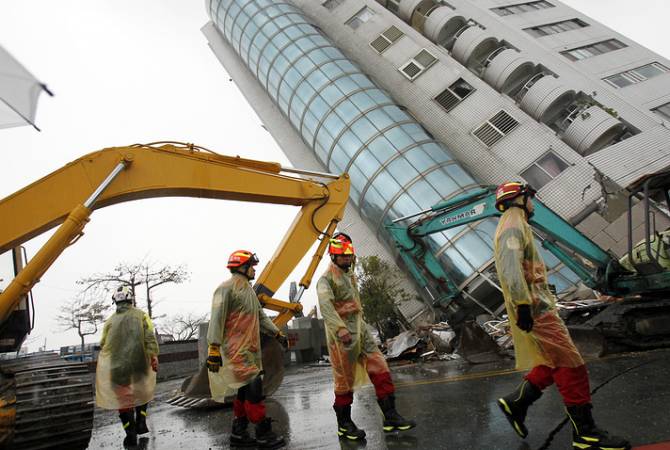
pixel 453 403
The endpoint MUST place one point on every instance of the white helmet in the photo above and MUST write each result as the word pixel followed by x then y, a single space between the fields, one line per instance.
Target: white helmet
pixel 123 293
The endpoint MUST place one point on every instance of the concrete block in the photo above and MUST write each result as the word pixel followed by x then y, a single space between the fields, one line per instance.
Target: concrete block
pixel 604 241
pixel 618 229
pixel 592 225
pixel 621 248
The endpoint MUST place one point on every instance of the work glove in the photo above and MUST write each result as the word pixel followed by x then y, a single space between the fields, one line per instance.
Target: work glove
pixel 214 361
pixel 524 319
pixel 154 363
pixel 283 340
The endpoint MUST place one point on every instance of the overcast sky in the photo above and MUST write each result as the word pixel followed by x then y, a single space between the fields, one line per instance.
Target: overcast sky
pixel 140 71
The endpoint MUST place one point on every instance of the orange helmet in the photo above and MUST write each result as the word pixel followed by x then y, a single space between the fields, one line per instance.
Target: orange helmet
pixel 341 244
pixel 509 191
pixel 241 257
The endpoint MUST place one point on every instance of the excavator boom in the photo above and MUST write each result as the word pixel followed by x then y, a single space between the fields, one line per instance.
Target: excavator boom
pixel 67 197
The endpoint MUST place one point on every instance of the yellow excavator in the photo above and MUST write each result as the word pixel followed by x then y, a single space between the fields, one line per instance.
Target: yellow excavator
pixel 46 402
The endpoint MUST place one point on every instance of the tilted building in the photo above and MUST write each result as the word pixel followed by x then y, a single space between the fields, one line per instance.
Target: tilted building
pixel 422 100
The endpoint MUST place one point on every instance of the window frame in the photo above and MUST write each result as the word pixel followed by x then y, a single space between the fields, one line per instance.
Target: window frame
pixel 547 29
pixel 536 164
pixel 357 17
pixel 520 8
pixel 659 110
pixel 591 50
pixel 414 61
pixel 634 77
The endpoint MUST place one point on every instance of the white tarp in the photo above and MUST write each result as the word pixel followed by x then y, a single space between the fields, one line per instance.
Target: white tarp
pixel 19 91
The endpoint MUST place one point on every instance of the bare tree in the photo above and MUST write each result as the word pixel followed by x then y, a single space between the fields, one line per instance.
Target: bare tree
pixel 183 326
pixel 83 315
pixel 149 274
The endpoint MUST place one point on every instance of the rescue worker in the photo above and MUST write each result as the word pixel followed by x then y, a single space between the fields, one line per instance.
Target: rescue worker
pixel 541 339
pixel 352 351
pixel 234 355
pixel 127 364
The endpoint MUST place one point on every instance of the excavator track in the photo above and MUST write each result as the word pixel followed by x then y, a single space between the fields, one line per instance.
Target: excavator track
pixel 45 403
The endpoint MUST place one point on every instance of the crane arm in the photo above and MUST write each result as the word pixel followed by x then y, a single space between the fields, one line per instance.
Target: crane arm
pixel 70 194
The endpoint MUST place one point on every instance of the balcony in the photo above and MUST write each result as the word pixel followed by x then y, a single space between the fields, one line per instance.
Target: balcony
pixel 442 24
pixel 544 97
pixel 506 69
pixel 473 45
pixel 590 129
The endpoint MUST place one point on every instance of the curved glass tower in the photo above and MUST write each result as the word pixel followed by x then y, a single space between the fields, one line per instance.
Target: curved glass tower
pixel 397 168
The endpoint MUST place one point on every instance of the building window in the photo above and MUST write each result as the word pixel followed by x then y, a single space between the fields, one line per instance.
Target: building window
pixel 417 65
pixel 663 111
pixel 454 94
pixel 555 28
pixel 332 4
pixel 360 18
pixel 496 128
pixel 545 169
pixel 521 8
pixel 590 50
pixel 637 75
pixel 386 39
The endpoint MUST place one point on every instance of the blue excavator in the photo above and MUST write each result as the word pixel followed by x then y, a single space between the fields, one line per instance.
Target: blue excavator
pixel 642 278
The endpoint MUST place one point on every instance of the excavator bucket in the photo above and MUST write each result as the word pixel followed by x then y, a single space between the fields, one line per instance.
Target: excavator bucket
pixel 194 392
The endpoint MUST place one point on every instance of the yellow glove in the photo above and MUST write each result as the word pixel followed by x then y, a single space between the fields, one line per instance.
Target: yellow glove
pixel 214 361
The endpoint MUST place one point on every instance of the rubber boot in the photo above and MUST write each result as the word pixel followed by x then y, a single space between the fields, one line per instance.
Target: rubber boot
pixel 239 436
pixel 128 422
pixel 587 436
pixel 515 405
pixel 345 426
pixel 141 419
pixel 265 437
pixel 392 420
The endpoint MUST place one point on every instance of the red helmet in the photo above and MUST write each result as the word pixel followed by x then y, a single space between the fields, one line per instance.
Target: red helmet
pixel 341 244
pixel 510 191
pixel 241 257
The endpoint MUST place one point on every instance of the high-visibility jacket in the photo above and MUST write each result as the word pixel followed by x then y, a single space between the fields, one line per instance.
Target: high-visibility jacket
pixel 523 279
pixel 236 322
pixel 340 305
pixel 124 378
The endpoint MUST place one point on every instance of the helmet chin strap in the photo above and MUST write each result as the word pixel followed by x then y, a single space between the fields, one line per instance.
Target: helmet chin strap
pixel 529 214
pixel 245 273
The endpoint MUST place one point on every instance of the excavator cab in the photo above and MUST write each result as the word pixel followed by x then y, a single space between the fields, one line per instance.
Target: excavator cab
pixel 652 254
pixel 19 324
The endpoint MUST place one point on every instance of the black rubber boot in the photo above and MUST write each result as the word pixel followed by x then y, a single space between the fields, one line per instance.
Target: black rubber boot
pixel 515 405
pixel 128 421
pixel 345 426
pixel 392 420
pixel 239 436
pixel 587 436
pixel 265 437
pixel 141 419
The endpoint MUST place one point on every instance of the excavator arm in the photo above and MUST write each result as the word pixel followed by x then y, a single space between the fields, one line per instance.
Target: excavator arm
pixel 68 196
pixel 477 205
pixel 597 268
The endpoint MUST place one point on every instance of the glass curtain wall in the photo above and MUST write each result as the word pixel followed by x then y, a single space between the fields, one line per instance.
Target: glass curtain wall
pixel 352 125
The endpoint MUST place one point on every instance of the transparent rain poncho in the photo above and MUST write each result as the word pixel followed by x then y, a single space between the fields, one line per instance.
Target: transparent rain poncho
pixel 523 278
pixel 124 378
pixel 340 306
pixel 236 323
